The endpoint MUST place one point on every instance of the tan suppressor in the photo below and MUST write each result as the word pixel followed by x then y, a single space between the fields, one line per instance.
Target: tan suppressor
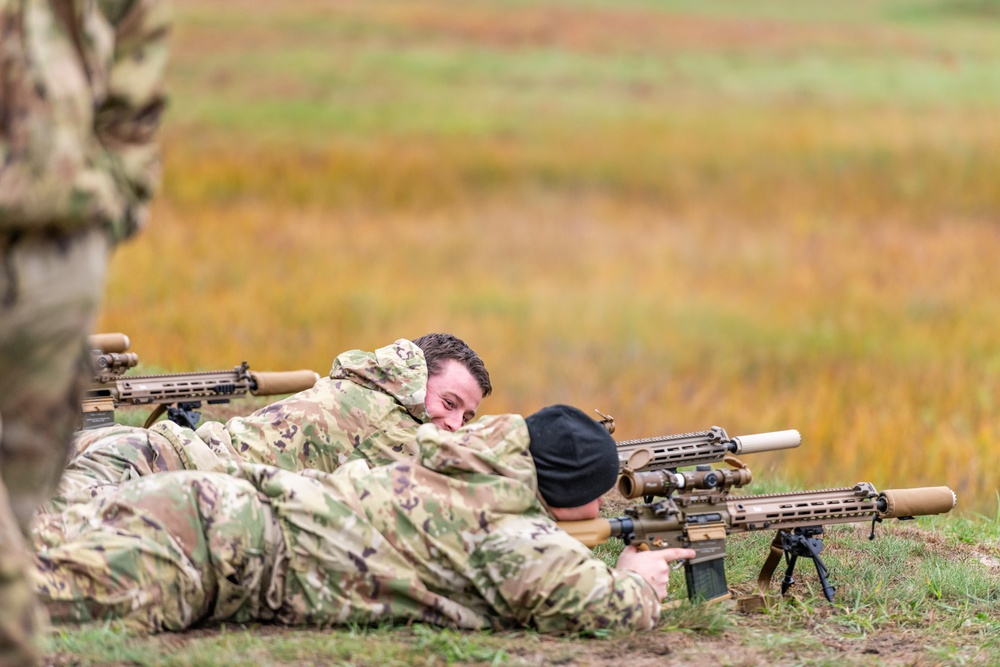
pixel 923 501
pixel 270 383
pixel 109 342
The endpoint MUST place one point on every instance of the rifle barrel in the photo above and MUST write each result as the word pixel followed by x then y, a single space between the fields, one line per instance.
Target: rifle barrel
pixel 171 388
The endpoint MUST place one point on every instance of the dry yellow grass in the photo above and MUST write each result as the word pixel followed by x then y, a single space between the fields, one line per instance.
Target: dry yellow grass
pixel 604 211
pixel 876 344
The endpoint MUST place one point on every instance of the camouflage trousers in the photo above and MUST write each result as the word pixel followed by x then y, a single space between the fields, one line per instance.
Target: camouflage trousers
pixel 163 552
pixel 173 550
pixel 106 457
pixel 50 288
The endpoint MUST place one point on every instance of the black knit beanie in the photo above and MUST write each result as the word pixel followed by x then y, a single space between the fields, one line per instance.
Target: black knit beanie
pixel 576 458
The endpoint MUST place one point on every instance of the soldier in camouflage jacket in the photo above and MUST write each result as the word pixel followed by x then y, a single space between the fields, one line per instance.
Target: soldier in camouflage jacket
pixel 464 536
pixel 368 408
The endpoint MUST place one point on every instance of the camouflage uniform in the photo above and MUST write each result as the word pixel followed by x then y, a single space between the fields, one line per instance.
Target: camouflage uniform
pixel 457 539
pixel 369 408
pixel 80 103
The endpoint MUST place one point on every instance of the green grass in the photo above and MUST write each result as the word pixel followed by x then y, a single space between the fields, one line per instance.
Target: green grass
pixel 911 586
pixel 238 645
pixel 419 71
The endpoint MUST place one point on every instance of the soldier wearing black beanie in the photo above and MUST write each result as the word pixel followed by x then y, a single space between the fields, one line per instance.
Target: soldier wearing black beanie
pixel 575 456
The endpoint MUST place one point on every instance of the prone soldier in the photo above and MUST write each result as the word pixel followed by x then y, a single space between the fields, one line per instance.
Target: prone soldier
pixel 464 536
pixel 368 408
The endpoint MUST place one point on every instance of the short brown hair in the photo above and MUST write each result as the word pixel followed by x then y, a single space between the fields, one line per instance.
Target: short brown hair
pixel 440 347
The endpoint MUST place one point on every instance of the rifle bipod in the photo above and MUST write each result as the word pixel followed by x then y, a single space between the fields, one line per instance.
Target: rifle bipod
pixel 809 543
pixel 788 546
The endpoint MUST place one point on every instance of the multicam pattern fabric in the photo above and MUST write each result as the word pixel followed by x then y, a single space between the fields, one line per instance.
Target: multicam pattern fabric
pixel 162 552
pixel 369 408
pixel 80 103
pixel 82 99
pixel 457 538
pixel 117 454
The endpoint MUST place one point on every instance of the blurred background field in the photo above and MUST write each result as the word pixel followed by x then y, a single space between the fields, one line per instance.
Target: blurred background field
pixel 760 215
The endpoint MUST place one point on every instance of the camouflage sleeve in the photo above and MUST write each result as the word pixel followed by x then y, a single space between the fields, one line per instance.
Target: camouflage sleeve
pixel 494 444
pixel 539 576
pixel 80 103
pixel 127 119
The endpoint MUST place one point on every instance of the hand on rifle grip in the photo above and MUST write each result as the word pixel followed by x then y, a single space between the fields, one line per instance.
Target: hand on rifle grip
pixel 653 566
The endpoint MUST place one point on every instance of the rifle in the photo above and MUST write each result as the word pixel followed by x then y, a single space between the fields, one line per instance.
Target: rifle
pixel 694 510
pixel 695 448
pixel 177 394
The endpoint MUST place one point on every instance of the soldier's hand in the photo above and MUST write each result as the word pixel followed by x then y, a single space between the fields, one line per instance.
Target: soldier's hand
pixel 653 566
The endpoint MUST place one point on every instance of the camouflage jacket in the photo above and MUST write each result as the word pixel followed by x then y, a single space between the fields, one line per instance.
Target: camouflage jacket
pixel 80 103
pixel 368 408
pixel 458 538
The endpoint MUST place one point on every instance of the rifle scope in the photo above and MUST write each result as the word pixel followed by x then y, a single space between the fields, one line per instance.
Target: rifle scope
pixel 636 484
pixel 115 363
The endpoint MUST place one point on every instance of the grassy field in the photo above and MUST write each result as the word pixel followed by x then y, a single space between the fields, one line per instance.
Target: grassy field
pixel 758 215
pixel 917 596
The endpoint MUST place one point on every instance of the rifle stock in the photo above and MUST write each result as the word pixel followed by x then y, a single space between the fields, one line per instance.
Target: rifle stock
pixel 178 394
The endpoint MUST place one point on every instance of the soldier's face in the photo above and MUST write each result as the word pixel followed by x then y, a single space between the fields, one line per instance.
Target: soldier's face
pixel 582 513
pixel 453 396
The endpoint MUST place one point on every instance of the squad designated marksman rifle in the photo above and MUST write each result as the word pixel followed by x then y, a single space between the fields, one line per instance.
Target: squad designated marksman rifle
pixel 694 510
pixel 695 448
pixel 180 395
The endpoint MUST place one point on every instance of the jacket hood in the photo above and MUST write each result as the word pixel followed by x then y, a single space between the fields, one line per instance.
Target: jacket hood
pixel 495 446
pixel 399 370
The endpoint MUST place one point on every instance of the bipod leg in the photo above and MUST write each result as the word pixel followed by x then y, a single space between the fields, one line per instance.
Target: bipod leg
pixel 822 572
pixel 806 542
pixel 787 582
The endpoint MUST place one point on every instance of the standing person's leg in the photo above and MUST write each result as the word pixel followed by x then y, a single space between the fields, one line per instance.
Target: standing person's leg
pixel 50 288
